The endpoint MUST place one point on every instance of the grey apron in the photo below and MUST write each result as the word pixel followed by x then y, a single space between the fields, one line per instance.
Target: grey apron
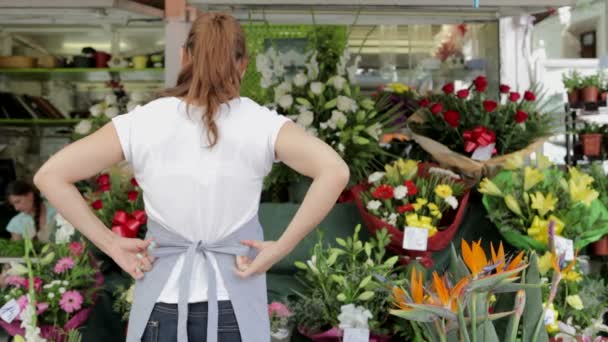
pixel 248 296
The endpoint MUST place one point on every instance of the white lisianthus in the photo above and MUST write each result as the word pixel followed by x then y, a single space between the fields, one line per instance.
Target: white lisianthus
pixel 374 205
pixel 346 104
pixel 267 74
pixel 300 80
pixel 374 131
pixel 305 118
pixel 286 101
pixel 452 202
pixel 400 192
pixel 316 88
pixel 83 127
pixel 96 110
pixel 110 99
pixel 338 82
pixel 337 118
pixel 111 112
pixel 374 177
pixel 392 219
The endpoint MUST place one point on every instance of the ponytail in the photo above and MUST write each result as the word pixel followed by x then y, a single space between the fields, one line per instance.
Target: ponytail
pixel 216 51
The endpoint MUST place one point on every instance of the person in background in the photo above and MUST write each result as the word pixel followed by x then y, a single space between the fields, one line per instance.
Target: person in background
pixel 36 217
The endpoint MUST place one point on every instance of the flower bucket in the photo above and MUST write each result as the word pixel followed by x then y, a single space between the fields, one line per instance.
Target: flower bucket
pixel 335 335
pixel 436 243
pixel 592 144
pixel 574 98
pixel 600 247
pixel 590 94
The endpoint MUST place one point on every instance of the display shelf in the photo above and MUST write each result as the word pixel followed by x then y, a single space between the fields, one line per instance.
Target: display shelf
pixel 38 122
pixel 83 74
pixel 74 70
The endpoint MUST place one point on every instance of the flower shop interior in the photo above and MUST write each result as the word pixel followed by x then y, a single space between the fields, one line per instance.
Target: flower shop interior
pixel 477 207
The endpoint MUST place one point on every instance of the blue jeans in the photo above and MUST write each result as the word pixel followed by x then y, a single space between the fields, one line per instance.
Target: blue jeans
pixel 162 325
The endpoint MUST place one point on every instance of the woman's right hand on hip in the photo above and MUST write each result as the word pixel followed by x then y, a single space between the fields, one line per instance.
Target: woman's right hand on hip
pixel 132 255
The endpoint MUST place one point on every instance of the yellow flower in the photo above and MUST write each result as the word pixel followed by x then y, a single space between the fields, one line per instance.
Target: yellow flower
pixel 543 162
pixel 515 162
pixel 434 209
pixel 580 177
pixel 580 187
pixel 414 220
pixel 532 177
pixel 544 263
pixel 512 204
pixel 543 204
pixel 420 202
pixel 539 230
pixel 398 88
pixel 575 302
pixel 18 338
pixel 443 191
pixel 573 276
pixel 553 327
pixel 489 188
pixel 401 169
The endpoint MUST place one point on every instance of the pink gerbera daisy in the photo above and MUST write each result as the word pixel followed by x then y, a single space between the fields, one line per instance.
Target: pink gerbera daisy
pixel 15 281
pixel 64 264
pixel 71 301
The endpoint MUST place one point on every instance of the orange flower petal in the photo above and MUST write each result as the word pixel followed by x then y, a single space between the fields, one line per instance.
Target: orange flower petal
pixel 467 255
pixel 442 291
pixel 516 261
pixel 417 287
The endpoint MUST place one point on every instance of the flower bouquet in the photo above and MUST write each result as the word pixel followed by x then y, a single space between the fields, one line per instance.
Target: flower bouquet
pixel 63 284
pixel 329 108
pixel 280 321
pixel 398 94
pixel 468 131
pixel 353 273
pixel 522 201
pixel 411 194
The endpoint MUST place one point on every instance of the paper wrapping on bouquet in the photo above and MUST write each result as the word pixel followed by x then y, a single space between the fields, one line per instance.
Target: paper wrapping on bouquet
pixel 335 335
pixel 472 170
pixel 436 243
pixel 523 241
pixel 53 333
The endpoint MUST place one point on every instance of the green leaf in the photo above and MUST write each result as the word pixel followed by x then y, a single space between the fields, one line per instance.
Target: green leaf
pixel 45 249
pixel 331 104
pixel 436 310
pixel 360 140
pixel 365 296
pixel 341 297
pixel 414 315
pixel 464 333
pixel 390 262
pixel 488 283
pixel 360 116
pixel 300 265
pixel 365 281
pixel 457 266
pixel 341 242
pixel 47 259
pixel 304 102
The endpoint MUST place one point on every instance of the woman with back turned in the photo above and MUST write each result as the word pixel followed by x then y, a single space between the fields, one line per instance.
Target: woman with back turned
pixel 200 154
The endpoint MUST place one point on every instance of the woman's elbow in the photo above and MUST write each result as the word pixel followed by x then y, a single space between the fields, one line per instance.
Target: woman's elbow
pixel 41 178
pixel 342 173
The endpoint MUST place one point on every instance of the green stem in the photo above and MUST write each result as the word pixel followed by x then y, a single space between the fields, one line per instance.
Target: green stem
pixel 474 317
pixel 440 330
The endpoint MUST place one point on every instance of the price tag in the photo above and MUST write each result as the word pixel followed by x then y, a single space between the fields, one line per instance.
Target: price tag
pixel 356 335
pixel 9 311
pixel 483 153
pixel 564 247
pixel 549 317
pixel 415 239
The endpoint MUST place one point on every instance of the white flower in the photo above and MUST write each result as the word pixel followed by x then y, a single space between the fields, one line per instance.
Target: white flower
pixel 64 234
pixel 352 70
pixel 374 177
pixel 341 148
pixel 323 125
pixel 283 88
pixel 346 104
pixel 110 99
pixel 130 294
pixel 300 80
pixel 443 172
pixel 280 334
pixel 352 316
pixel 265 83
pixel 65 283
pixel 374 131
pixel 316 88
pixel 111 112
pixel 83 127
pixel 312 264
pixel 56 282
pixel 62 290
pixel 313 131
pixel 267 74
pixel 51 295
pixel 262 61
pixel 96 110
pixel 400 192
pixel 392 219
pixel 131 105
pixel 47 286
pixel 17 269
pixel 341 66
pixel 338 82
pixel 285 101
pixel 452 202
pixel 374 205
pixel 337 119
pixel 305 118
pixel 312 68
pixel 138 96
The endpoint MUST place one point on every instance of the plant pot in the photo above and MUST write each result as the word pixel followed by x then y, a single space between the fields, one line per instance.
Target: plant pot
pixel 592 144
pixel 600 247
pixel 590 94
pixel 574 97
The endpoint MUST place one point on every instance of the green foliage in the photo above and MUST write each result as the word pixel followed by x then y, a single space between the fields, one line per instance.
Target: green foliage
pixel 591 81
pixel 572 80
pixel 592 128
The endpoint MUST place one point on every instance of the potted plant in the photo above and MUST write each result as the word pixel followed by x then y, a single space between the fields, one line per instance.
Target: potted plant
pixel 572 82
pixel 591 139
pixel 591 88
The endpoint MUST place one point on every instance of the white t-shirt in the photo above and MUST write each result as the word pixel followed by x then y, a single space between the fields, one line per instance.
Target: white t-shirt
pixel 198 192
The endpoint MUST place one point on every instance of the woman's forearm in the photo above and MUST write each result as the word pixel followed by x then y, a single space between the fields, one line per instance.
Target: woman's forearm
pixel 68 201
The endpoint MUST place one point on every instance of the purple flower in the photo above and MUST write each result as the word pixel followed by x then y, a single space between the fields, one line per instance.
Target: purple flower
pixel 71 301
pixel 64 264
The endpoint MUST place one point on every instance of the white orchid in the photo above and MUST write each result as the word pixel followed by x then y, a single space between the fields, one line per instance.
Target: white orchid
pixel 337 119
pixel 83 127
pixel 300 80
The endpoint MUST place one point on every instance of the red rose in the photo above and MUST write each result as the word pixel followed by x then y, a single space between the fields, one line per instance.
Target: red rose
pixel 424 103
pixel 437 108
pixel 505 89
pixel 140 215
pixel 529 96
pixel 463 94
pixel 490 106
pixel 132 196
pixel 448 88
pixel 521 116
pixel 76 248
pixel 405 208
pixel 103 179
pixel 452 118
pixel 514 97
pixel 104 188
pixel 412 189
pixel 481 84
pixel 384 192
pixel 134 182
pixel 97 204
pixel 120 217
